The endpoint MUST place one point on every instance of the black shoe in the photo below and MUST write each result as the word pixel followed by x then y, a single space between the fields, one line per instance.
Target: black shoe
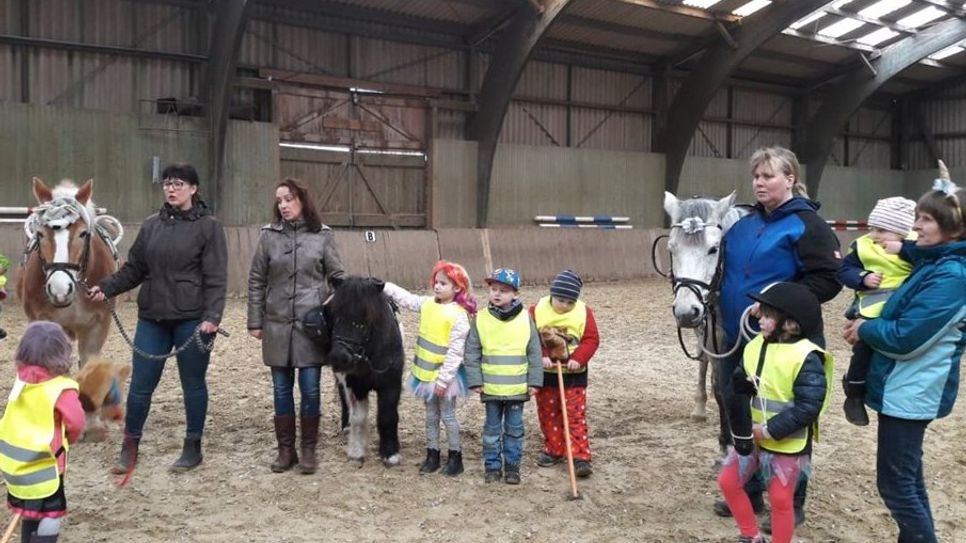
pixel 799 519
pixel 128 458
pixel 454 463
pixel 855 411
pixel 3 333
pixel 492 476
pixel 431 463
pixel 190 455
pixel 545 460
pixel 722 510
pixel 512 475
pixel 582 468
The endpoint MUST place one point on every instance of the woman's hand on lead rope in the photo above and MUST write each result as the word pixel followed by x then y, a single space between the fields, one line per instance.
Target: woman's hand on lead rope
pixel 95 294
pixel 208 327
pixel 255 333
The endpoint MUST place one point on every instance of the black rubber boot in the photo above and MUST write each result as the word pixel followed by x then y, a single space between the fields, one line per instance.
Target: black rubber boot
pixel 454 463
pixel 190 455
pixel 854 406
pixel 431 463
pixel 512 475
pixel 128 458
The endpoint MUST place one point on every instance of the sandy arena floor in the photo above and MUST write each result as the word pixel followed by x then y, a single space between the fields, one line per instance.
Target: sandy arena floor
pixel 653 477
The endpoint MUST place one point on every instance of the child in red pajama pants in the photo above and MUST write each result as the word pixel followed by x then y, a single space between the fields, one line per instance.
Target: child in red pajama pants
pixel 563 310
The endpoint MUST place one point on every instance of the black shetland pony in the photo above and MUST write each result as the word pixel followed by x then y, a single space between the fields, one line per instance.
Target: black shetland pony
pixel 366 353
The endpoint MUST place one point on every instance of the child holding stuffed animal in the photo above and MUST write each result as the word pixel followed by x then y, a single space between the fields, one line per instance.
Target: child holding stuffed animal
pixel 436 374
pixel 563 318
pixel 4 265
pixel 43 417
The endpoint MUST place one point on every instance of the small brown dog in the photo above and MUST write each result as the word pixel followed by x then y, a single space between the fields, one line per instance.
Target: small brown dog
pixel 101 390
pixel 555 341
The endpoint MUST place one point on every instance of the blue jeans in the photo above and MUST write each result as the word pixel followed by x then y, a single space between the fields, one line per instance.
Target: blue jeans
pixel 502 434
pixel 283 382
pixel 900 479
pixel 158 337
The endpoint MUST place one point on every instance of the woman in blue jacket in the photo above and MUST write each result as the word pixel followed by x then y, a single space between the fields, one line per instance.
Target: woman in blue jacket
pixel 918 342
pixel 782 239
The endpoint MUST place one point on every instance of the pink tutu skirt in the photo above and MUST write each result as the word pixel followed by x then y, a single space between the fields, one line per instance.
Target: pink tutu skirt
pixel 426 389
pixel 785 467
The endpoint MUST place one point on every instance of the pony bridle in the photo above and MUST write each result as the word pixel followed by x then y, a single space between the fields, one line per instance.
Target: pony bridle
pixel 356 344
pixel 59 215
pixel 705 292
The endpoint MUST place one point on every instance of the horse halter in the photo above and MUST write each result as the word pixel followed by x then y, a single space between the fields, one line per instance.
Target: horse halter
pixel 355 344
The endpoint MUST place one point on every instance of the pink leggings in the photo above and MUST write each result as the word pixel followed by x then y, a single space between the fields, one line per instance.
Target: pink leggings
pixel 781 491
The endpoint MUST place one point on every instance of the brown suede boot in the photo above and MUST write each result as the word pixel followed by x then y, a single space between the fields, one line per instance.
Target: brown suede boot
pixel 285 434
pixel 310 440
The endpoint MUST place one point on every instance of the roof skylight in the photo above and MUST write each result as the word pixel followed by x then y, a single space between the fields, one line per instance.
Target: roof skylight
pixel 841 28
pixel 874 38
pixel 947 52
pixel 750 7
pixel 883 7
pixel 807 20
pixel 921 17
pixel 700 3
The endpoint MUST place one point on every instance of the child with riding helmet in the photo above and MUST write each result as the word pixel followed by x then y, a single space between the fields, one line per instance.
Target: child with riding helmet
pixel 436 375
pixel 787 376
pixel 503 366
pixel 563 310
pixel 43 417
pixel 874 274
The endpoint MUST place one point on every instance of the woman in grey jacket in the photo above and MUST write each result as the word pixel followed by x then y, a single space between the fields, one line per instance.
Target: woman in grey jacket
pixel 295 257
pixel 180 260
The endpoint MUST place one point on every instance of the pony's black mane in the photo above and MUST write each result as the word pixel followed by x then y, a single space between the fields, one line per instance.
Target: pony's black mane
pixel 358 300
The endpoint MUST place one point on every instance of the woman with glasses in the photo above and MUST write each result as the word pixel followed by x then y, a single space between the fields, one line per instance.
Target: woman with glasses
pixel 180 261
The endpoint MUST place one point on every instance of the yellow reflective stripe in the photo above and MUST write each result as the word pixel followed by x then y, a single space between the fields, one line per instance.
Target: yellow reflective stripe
pixel 507 379
pixel 31 479
pixel 430 346
pixel 22 455
pixel 772 406
pixel 426 364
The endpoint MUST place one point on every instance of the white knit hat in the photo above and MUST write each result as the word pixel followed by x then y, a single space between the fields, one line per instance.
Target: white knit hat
pixel 894 214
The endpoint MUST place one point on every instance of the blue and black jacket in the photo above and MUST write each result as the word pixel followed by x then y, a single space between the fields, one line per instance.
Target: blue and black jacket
pixel 792 243
pixel 918 340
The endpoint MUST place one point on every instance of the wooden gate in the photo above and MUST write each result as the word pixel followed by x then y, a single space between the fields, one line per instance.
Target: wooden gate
pixel 364 153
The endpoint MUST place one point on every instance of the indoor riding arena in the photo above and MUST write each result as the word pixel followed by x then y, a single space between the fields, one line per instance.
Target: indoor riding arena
pixel 537 135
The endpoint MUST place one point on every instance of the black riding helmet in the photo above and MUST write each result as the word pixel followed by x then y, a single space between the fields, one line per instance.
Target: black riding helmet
pixel 795 301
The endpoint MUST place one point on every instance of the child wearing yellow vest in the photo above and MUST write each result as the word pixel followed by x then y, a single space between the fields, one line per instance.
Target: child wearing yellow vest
pixel 4 266
pixel 435 375
pixel 503 366
pixel 43 417
pixel 874 274
pixel 565 311
pixel 785 376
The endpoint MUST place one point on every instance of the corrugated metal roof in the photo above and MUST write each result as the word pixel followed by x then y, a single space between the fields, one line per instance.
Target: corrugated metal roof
pixel 441 10
pixel 632 15
pixel 615 40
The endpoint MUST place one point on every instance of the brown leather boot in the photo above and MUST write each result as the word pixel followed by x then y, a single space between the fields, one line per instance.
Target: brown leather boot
pixel 285 434
pixel 310 440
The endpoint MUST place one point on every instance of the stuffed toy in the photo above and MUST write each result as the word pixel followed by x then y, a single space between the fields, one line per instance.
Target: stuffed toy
pixel 555 341
pixel 101 390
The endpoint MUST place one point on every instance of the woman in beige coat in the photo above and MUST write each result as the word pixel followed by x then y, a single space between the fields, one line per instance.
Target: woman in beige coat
pixel 294 265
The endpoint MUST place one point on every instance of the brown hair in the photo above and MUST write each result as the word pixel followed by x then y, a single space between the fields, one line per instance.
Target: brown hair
pixel 947 209
pixel 311 217
pixel 781 160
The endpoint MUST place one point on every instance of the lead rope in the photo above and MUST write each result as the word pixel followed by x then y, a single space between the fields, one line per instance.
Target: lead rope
pixel 744 328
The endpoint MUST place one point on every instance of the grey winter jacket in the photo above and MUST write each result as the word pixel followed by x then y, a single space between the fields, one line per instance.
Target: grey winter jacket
pixel 180 259
pixel 288 277
pixel 473 360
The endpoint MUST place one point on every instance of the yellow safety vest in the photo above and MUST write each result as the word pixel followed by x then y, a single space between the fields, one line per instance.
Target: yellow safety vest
pixel 504 343
pixel 894 271
pixel 572 322
pixel 29 467
pixel 776 385
pixel 435 323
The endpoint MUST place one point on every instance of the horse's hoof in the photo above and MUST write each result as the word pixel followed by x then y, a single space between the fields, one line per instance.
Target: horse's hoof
pixel 393 460
pixel 94 435
pixel 356 462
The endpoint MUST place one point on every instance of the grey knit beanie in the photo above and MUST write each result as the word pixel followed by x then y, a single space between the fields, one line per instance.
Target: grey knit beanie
pixel 894 214
pixel 566 285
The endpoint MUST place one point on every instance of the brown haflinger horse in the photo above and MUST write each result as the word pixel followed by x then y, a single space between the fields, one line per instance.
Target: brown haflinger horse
pixel 68 248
